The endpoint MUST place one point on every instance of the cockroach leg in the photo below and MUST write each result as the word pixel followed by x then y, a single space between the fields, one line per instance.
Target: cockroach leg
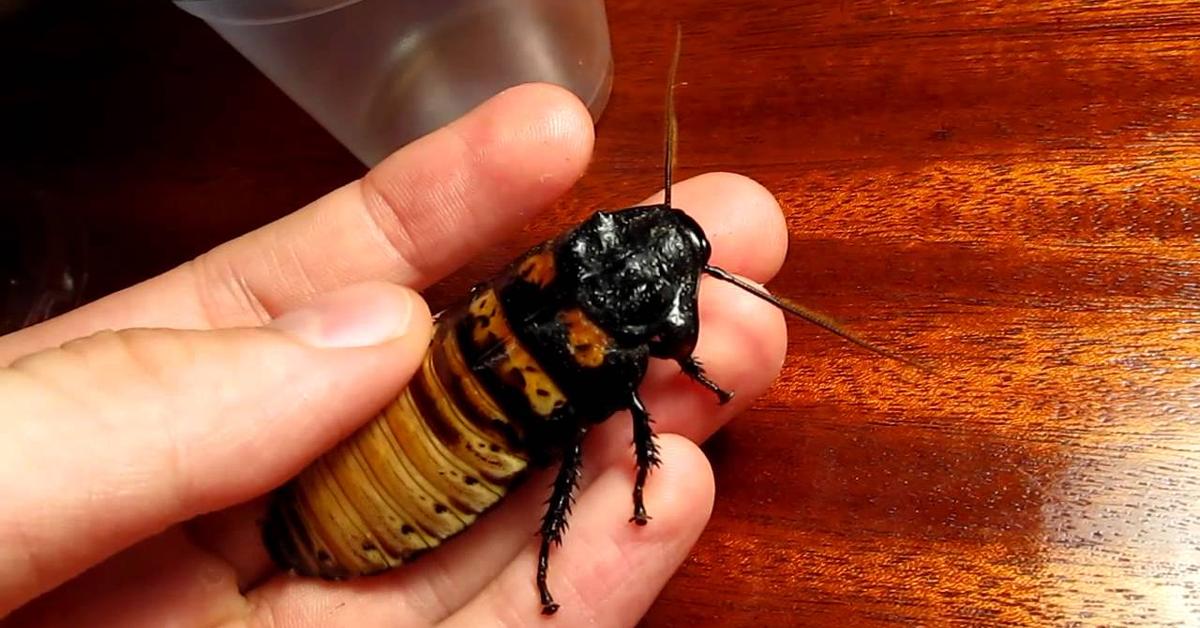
pixel 691 367
pixel 646 451
pixel 554 523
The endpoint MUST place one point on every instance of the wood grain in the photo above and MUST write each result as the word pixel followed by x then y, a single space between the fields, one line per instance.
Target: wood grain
pixel 1006 189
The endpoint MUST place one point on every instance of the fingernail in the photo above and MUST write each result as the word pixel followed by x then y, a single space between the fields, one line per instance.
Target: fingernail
pixel 357 316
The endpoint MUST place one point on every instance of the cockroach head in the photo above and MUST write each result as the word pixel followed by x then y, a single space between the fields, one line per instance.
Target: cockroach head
pixel 637 269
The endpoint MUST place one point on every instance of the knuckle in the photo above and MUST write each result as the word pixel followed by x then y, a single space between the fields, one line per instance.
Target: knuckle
pixel 412 207
pixel 224 293
pixel 109 358
pixel 153 355
pixel 388 213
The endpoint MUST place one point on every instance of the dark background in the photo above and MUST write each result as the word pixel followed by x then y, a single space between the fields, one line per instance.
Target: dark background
pixel 1007 189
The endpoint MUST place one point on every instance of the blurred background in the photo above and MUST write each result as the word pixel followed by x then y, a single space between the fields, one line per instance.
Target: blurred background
pixel 135 138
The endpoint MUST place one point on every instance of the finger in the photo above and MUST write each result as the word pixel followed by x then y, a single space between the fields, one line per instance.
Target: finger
pixel 114 437
pixel 416 216
pixel 743 341
pixel 608 571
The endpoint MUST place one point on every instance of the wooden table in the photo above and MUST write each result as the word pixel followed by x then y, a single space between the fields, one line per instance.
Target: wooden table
pixel 1007 189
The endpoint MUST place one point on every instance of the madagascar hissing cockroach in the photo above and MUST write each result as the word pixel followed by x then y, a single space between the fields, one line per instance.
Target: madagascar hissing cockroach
pixel 515 375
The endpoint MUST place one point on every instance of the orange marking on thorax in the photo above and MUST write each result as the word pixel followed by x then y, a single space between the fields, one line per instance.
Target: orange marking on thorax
pixel 517 366
pixel 587 342
pixel 538 268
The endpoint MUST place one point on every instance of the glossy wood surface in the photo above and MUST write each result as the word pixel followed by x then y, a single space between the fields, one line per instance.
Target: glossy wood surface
pixel 1008 190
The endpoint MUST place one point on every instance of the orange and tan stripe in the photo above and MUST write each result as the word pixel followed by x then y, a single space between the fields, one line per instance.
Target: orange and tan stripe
pixel 477 404
pixel 333 528
pixel 486 452
pixel 398 480
pixel 385 518
pixel 490 331
pixel 421 462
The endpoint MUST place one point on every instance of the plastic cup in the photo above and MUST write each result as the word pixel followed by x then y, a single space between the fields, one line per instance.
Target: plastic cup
pixel 378 74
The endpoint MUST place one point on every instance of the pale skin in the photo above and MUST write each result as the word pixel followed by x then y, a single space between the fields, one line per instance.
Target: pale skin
pixel 133 463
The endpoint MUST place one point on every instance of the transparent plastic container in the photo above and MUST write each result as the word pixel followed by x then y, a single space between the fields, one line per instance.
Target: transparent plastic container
pixel 377 74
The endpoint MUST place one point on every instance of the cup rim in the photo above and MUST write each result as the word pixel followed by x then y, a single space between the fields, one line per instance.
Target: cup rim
pixel 259 12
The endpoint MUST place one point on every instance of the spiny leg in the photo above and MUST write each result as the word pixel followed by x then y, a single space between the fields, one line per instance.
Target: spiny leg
pixel 554 523
pixel 691 367
pixel 646 451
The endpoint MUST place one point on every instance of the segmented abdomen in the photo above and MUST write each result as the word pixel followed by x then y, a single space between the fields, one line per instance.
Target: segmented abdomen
pixel 436 458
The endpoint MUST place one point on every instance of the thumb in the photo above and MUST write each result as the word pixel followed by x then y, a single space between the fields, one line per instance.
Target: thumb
pixel 112 438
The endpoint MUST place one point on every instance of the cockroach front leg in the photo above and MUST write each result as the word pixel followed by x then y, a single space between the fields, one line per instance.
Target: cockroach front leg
pixel 554 523
pixel 691 367
pixel 646 452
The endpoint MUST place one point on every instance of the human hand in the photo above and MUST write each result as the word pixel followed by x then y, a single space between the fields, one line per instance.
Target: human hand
pixel 132 463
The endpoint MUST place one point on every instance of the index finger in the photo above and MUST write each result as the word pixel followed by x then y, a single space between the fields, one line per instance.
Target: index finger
pixel 415 217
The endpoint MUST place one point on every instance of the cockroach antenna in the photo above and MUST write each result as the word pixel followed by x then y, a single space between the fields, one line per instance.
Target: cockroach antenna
pixel 816 318
pixel 672 125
